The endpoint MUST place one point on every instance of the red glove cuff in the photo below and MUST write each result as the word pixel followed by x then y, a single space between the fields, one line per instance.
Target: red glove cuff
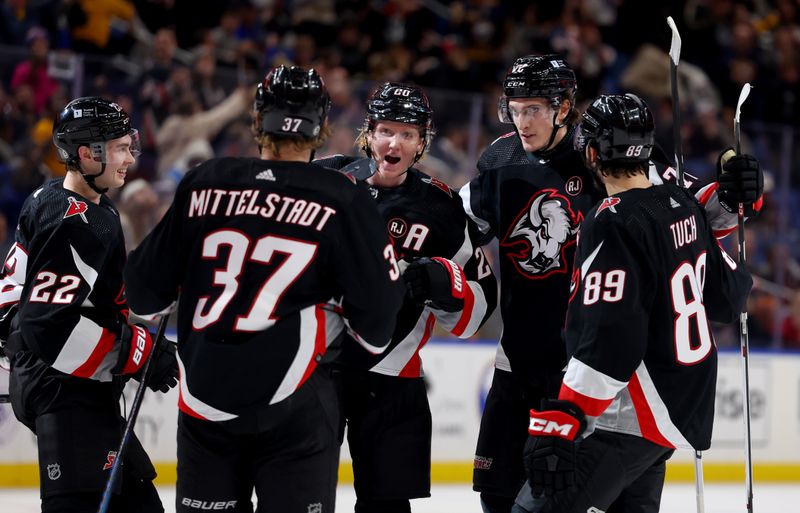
pixel 554 423
pixel 458 282
pixel 141 345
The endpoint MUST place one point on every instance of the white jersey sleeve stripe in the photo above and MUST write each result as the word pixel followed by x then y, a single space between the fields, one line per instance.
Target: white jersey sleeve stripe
pixel 466 199
pixel 591 383
pixel 80 347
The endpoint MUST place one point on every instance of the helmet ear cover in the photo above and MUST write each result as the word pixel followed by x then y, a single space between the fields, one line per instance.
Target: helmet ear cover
pixel 291 102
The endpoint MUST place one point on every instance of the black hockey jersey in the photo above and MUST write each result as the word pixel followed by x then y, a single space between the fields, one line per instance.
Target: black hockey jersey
pixel 65 273
pixel 534 205
pixel 425 218
pixel 649 277
pixel 272 260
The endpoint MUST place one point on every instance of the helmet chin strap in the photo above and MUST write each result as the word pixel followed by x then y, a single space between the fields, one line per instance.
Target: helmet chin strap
pixel 89 179
pixel 556 127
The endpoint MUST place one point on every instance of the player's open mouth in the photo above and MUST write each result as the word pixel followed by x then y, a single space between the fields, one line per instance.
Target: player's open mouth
pixel 391 160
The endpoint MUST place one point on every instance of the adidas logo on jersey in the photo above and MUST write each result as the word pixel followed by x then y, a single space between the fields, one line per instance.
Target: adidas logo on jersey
pixel 267 174
pixel 673 203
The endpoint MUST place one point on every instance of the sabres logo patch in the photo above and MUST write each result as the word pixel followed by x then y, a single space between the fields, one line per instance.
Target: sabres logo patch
pixel 608 203
pixel 77 208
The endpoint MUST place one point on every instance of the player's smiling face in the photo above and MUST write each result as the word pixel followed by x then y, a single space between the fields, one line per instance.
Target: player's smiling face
pixel 394 147
pixel 119 155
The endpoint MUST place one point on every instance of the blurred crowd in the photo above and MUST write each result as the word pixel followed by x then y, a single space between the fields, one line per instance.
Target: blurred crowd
pixel 185 71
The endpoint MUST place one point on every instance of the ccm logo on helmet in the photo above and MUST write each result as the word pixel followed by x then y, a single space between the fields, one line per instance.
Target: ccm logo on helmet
pixel 141 342
pixel 550 426
pixel 208 505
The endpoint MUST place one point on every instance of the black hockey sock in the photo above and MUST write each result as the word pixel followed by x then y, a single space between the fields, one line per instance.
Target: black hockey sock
pixel 378 506
pixel 496 503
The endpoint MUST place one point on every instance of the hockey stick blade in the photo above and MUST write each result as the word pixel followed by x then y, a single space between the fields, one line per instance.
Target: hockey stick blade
pixel 360 169
pixel 135 406
pixel 742 98
pixel 675 56
pixel 675 46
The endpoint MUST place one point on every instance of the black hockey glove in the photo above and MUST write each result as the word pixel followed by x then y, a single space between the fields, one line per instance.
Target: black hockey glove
pixel 164 369
pixel 740 181
pixel 549 454
pixel 437 282
pixel 136 343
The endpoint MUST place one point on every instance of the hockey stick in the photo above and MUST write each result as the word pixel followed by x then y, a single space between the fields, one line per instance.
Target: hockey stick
pixel 675 57
pixel 360 169
pixel 744 338
pixel 137 403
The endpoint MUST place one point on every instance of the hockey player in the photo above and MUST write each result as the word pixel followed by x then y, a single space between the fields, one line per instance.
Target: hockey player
pixel 71 347
pixel 449 281
pixel 273 258
pixel 649 277
pixel 532 191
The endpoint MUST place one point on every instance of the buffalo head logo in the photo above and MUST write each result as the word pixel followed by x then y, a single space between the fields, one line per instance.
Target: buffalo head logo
pixel 538 236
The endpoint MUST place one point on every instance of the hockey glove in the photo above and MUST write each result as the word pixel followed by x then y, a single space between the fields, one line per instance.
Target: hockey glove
pixel 135 345
pixel 164 369
pixel 437 282
pixel 740 181
pixel 549 454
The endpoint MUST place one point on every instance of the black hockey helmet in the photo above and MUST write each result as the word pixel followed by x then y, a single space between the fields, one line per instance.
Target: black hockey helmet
pixel 91 121
pixel 291 102
pixel 537 76
pixel 620 127
pixel 403 103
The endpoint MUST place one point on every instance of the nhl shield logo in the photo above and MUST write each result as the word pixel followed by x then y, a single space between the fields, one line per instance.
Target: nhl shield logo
pixel 53 471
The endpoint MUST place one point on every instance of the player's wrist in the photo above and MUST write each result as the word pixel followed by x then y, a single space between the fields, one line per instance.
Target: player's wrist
pixel 561 419
pixel 136 344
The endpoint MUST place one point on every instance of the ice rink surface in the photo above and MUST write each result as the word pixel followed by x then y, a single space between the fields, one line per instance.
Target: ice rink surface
pixel 719 498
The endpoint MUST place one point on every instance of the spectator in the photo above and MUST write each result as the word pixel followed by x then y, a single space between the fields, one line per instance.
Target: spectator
pixel 33 71
pixel 189 122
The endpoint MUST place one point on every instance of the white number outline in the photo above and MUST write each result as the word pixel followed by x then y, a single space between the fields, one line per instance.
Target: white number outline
pixel 260 315
pixel 685 352
pixel 63 295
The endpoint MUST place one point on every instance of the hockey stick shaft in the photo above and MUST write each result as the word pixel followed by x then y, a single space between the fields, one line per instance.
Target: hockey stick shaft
pixel 674 59
pixel 743 334
pixel 135 406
